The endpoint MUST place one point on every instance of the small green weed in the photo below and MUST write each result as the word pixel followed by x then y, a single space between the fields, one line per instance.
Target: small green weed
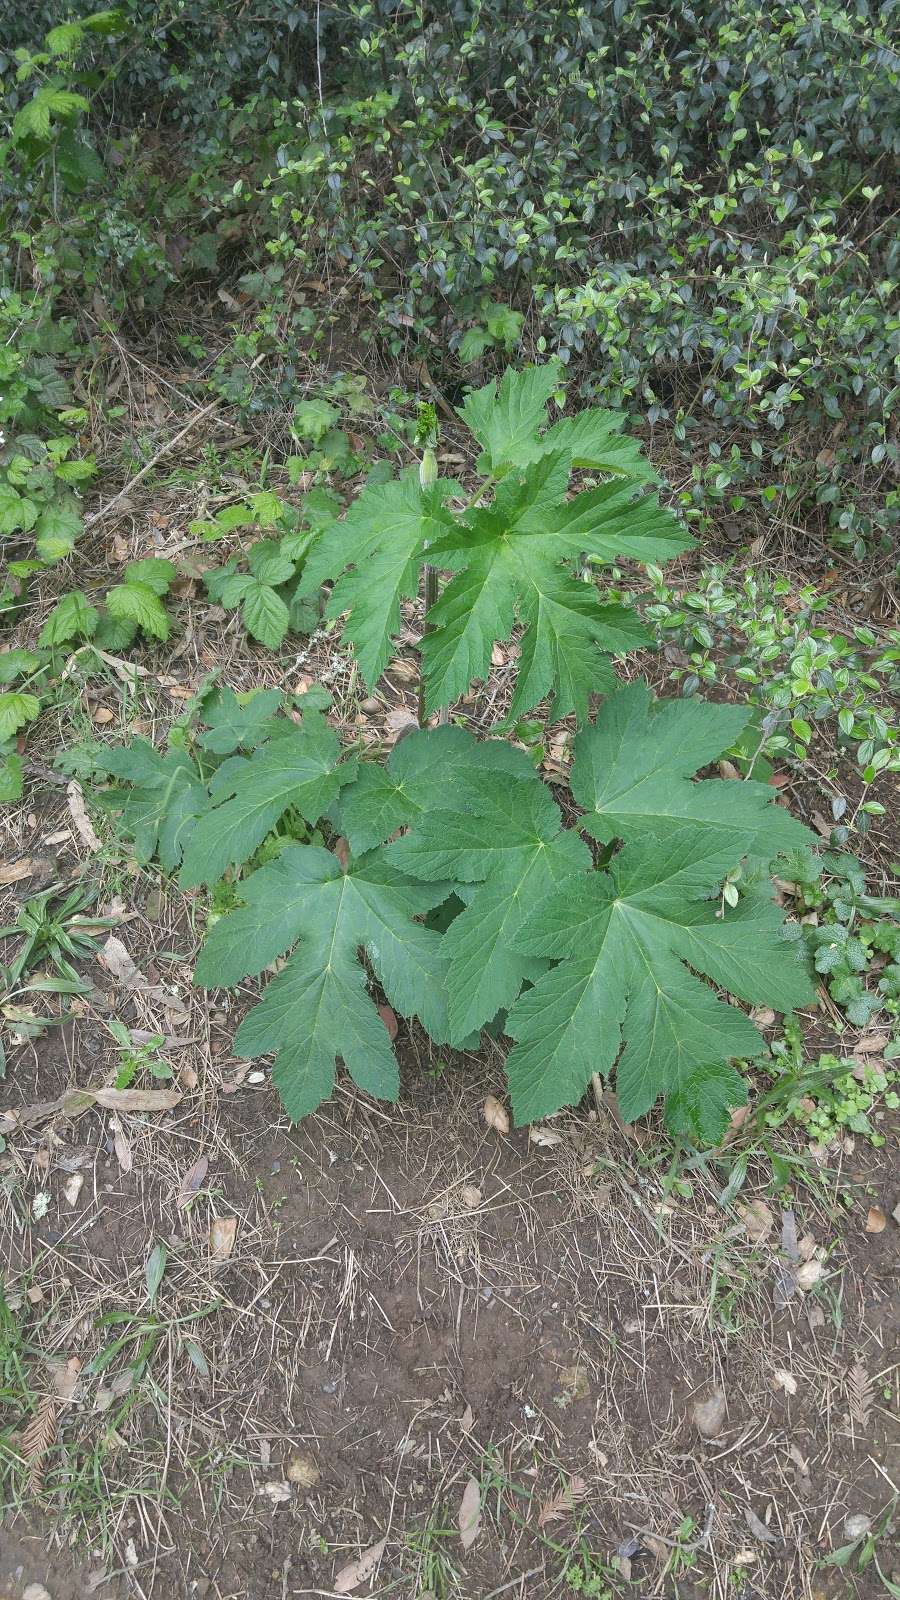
pixel 763 633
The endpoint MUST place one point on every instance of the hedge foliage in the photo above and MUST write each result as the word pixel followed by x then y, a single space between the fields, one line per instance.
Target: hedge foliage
pixel 692 208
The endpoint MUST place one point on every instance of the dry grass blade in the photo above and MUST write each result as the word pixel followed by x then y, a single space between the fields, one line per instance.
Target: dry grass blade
pixel 859 1394
pixel 562 1503
pixel 37 1438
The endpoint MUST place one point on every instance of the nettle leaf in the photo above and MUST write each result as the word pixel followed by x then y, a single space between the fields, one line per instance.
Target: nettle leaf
pixel 317 1008
pixel 629 942
pixel 161 808
pixel 16 708
pixel 137 603
pixel 299 769
pixel 236 722
pixel 383 539
pixel 504 835
pixel 632 774
pixel 72 618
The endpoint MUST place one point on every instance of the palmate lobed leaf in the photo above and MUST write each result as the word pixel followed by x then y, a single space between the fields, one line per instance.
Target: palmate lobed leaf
pixel 317 1008
pixel 298 768
pixel 627 942
pixel 512 558
pixel 620 967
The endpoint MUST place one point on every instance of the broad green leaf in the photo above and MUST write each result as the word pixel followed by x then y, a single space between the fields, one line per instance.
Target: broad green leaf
pixel 113 633
pixel 17 663
pixel 700 1109
pixel 594 440
pixel 313 418
pixel 506 836
pixel 513 571
pixel 160 809
pixel 504 324
pixel 72 618
pixel 50 102
pixel 268 563
pixel 383 539
pixel 506 419
pixel 56 530
pixel 157 573
pixel 629 942
pixel 427 770
pixel 265 613
pixel 11 779
pixel 137 603
pixel 317 1008
pixel 609 522
pixel 632 774
pixel 16 708
pixel 298 770
pixel 17 512
pixel 238 722
pixel 473 344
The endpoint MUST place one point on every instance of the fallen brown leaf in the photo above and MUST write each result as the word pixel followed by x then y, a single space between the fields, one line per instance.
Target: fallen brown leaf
pixel 356 1572
pixel 192 1181
pixel 709 1415
pixel 495 1114
pixel 14 871
pixel 389 1018
pixel 757 1219
pixel 871 1044
pixel 78 813
pixel 302 1470
pixel 222 1234
pixel 468 1519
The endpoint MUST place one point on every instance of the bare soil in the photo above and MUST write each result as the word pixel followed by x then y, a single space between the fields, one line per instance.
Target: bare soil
pixel 411 1301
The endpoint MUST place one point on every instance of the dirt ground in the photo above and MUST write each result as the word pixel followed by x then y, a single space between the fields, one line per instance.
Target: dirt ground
pixel 411 1301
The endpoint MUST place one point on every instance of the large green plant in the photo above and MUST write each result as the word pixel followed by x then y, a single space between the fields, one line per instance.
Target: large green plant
pixel 460 883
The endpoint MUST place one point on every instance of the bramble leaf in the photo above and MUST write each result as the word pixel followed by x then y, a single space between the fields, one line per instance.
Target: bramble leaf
pixel 317 1008
pixel 72 618
pixel 157 573
pixel 16 708
pixel 56 530
pixel 138 603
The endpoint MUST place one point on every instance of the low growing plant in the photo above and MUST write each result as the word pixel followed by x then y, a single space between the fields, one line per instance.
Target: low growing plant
pixel 454 877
